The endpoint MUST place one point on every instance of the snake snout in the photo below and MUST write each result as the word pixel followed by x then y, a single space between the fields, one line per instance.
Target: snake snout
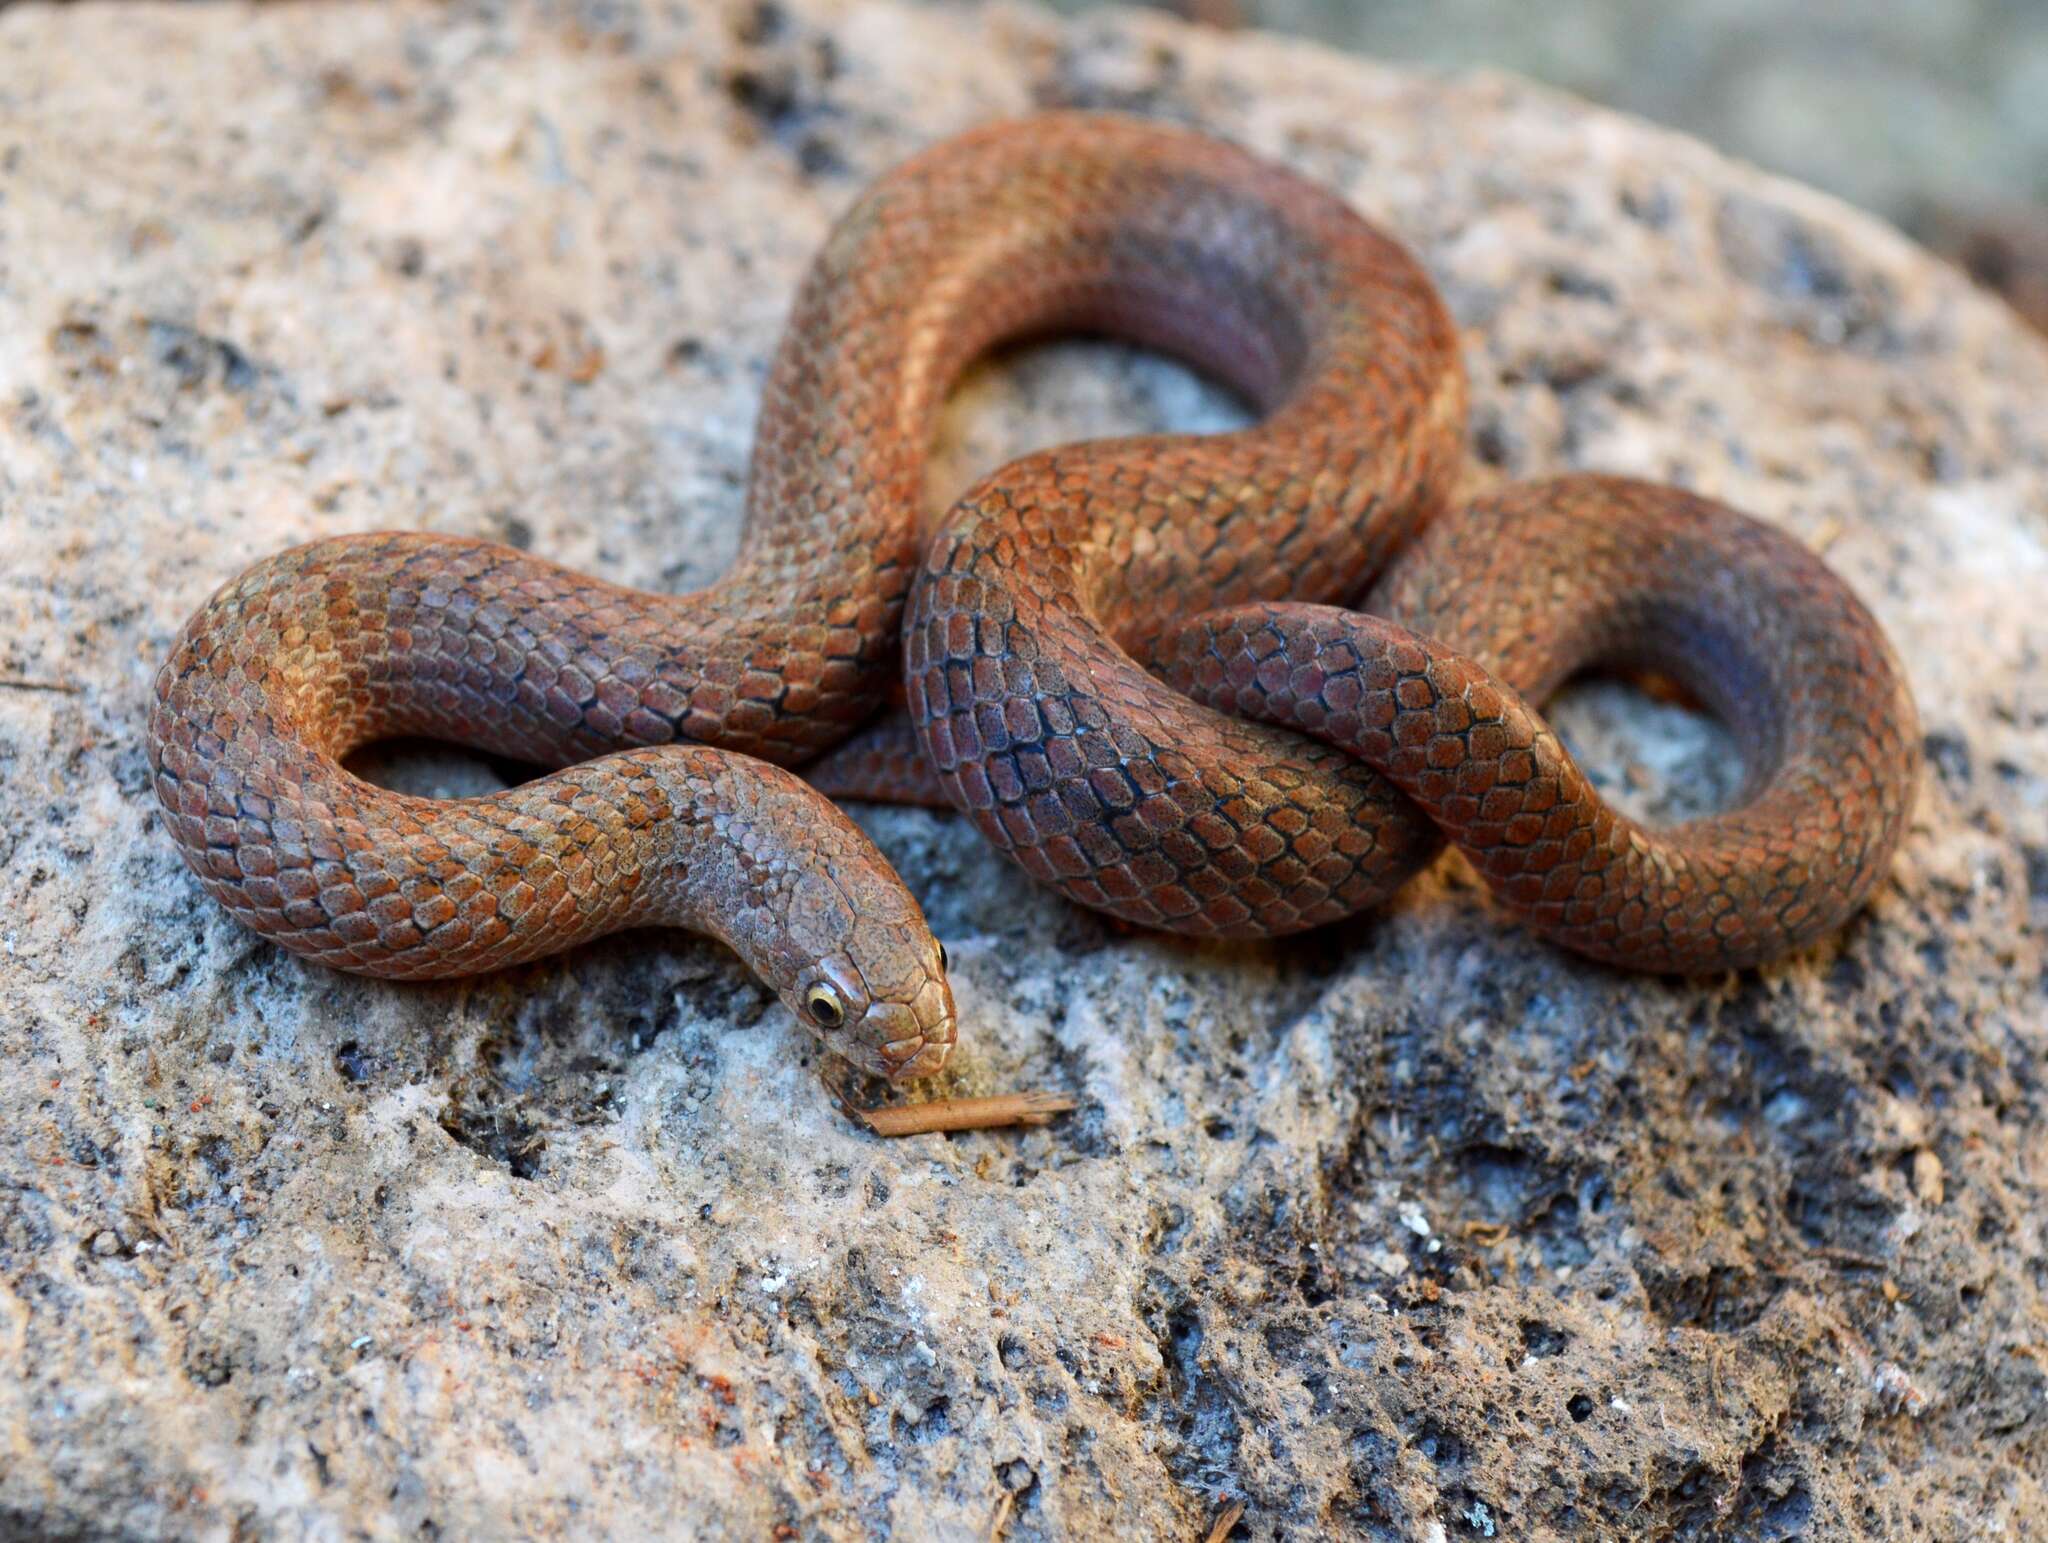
pixel 928 1028
pixel 927 1060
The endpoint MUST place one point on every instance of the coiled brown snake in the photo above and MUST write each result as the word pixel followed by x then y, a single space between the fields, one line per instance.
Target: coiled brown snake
pixel 1048 598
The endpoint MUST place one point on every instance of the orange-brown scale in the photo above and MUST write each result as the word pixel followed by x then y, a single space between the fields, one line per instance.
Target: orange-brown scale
pixel 1057 585
pixel 1508 598
pixel 1044 598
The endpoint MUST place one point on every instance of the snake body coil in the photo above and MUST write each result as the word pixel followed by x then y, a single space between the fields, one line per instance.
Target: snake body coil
pixel 1047 601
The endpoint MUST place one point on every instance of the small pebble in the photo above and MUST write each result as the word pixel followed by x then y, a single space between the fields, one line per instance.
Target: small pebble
pixel 1929 1184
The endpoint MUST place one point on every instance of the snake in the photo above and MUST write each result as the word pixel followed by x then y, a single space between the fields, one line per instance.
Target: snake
pixel 1234 684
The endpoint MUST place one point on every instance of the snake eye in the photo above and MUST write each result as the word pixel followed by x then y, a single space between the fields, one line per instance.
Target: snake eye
pixel 824 1006
pixel 942 958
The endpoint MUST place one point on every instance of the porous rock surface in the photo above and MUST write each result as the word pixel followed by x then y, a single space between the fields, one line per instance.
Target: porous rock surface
pixel 1414 1228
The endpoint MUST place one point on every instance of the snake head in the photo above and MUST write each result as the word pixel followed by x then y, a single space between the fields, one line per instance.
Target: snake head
pixel 864 972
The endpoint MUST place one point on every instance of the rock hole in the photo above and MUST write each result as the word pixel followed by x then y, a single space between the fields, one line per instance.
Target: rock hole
pixel 1653 752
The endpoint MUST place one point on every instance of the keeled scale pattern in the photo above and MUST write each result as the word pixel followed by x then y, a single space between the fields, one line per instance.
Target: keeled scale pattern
pixel 1057 583
pixel 1553 577
pixel 1053 580
pixel 1044 596
pixel 325 647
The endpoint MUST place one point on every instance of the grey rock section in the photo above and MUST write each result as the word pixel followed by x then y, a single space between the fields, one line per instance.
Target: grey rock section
pixel 1412 1229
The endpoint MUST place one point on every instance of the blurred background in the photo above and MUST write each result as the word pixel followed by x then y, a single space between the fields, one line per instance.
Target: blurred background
pixel 1932 113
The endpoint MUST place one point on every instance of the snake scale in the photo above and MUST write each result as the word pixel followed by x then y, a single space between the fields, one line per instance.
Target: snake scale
pixel 1123 659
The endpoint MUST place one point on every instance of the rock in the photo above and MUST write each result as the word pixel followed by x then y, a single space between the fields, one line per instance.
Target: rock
pixel 1412 1228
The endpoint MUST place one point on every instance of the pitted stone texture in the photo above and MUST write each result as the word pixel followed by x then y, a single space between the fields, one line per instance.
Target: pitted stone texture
pixel 581 1248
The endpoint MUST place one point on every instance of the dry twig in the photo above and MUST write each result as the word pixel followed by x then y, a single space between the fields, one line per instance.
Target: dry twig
pixel 949 1114
pixel 23 683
